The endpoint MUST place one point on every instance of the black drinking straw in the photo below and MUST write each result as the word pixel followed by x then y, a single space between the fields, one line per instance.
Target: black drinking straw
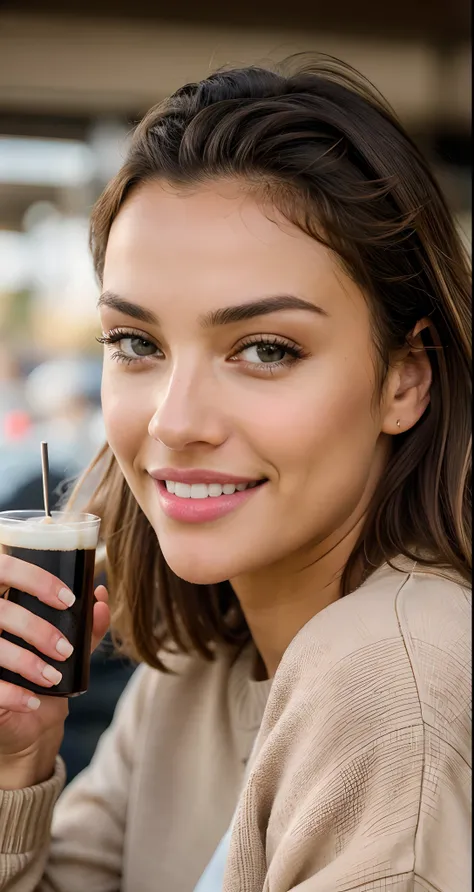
pixel 45 473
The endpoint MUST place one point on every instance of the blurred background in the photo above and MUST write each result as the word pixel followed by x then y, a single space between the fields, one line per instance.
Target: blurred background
pixel 74 78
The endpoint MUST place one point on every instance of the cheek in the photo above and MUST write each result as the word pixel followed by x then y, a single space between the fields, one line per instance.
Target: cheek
pixel 126 416
pixel 328 410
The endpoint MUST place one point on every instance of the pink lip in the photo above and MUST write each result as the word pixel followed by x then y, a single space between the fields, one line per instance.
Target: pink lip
pixel 197 475
pixel 201 510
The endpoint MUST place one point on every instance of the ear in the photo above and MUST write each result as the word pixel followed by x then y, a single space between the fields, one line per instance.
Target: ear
pixel 407 393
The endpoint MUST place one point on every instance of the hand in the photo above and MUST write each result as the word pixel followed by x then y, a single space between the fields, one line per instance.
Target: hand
pixel 31 726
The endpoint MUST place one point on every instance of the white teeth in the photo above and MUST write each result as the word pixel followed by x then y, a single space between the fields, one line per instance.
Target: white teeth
pixel 183 490
pixel 203 490
pixel 198 491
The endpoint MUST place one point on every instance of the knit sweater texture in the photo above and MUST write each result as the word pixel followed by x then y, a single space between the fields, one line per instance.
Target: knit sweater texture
pixel 359 778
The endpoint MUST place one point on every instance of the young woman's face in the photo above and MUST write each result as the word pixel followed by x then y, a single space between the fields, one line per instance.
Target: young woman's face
pixel 242 354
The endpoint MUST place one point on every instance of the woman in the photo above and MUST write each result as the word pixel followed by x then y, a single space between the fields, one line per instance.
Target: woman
pixel 285 313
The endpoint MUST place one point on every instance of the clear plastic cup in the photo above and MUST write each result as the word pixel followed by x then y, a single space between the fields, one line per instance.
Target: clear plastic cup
pixel 65 545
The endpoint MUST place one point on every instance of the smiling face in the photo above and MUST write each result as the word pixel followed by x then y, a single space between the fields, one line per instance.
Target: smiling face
pixel 278 392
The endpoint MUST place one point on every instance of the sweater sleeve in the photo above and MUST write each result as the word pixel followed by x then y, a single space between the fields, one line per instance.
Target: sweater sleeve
pixel 353 788
pixel 75 843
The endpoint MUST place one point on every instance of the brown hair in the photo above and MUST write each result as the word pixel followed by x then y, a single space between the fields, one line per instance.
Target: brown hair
pixel 324 147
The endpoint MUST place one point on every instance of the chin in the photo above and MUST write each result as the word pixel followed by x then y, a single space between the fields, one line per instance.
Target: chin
pixel 200 573
pixel 208 564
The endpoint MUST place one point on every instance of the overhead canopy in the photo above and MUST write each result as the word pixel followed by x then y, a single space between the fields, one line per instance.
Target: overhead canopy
pixel 84 64
pixel 426 19
pixel 66 65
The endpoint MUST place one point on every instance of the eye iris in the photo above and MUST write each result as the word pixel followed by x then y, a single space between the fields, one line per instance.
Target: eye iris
pixel 270 353
pixel 142 347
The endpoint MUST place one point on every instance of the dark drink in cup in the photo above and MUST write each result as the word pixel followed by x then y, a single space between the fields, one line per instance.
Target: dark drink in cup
pixel 64 545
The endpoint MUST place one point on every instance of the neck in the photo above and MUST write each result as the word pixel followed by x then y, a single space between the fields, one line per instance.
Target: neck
pixel 279 600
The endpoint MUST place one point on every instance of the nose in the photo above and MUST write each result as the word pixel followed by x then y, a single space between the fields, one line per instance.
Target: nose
pixel 189 412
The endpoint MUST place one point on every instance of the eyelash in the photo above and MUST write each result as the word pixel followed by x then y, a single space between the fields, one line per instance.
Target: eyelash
pixel 295 353
pixel 115 336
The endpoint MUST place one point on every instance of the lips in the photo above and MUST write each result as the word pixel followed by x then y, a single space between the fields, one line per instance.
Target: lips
pixel 203 507
pixel 200 475
pixel 205 490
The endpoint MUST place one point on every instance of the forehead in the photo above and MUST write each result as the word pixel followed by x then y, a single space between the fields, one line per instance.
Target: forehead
pixel 219 243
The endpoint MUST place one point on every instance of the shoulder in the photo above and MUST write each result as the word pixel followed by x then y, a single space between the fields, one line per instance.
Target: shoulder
pixel 398 647
pixel 434 617
pixel 400 604
pixel 434 607
pixel 362 765
pixel 396 601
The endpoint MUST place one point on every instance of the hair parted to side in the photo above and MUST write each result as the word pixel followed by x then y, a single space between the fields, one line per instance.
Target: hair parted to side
pixel 316 140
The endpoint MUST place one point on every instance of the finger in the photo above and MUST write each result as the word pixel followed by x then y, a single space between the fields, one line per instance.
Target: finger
pixel 101 593
pixel 16 699
pixel 101 623
pixel 35 581
pixel 27 664
pixel 36 631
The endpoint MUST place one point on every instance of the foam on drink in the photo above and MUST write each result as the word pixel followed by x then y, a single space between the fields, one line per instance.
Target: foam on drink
pixel 57 533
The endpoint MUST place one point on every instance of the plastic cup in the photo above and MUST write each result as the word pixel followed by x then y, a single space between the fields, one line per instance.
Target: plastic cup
pixel 65 545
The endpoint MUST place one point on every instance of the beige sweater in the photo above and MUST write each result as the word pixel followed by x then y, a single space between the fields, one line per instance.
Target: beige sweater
pixel 360 777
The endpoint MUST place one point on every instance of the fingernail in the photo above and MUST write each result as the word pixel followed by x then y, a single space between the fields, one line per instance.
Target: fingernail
pixel 33 703
pixel 52 674
pixel 64 648
pixel 67 597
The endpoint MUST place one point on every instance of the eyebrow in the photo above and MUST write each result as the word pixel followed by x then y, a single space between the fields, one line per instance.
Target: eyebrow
pixel 224 316
pixel 261 307
pixel 115 302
